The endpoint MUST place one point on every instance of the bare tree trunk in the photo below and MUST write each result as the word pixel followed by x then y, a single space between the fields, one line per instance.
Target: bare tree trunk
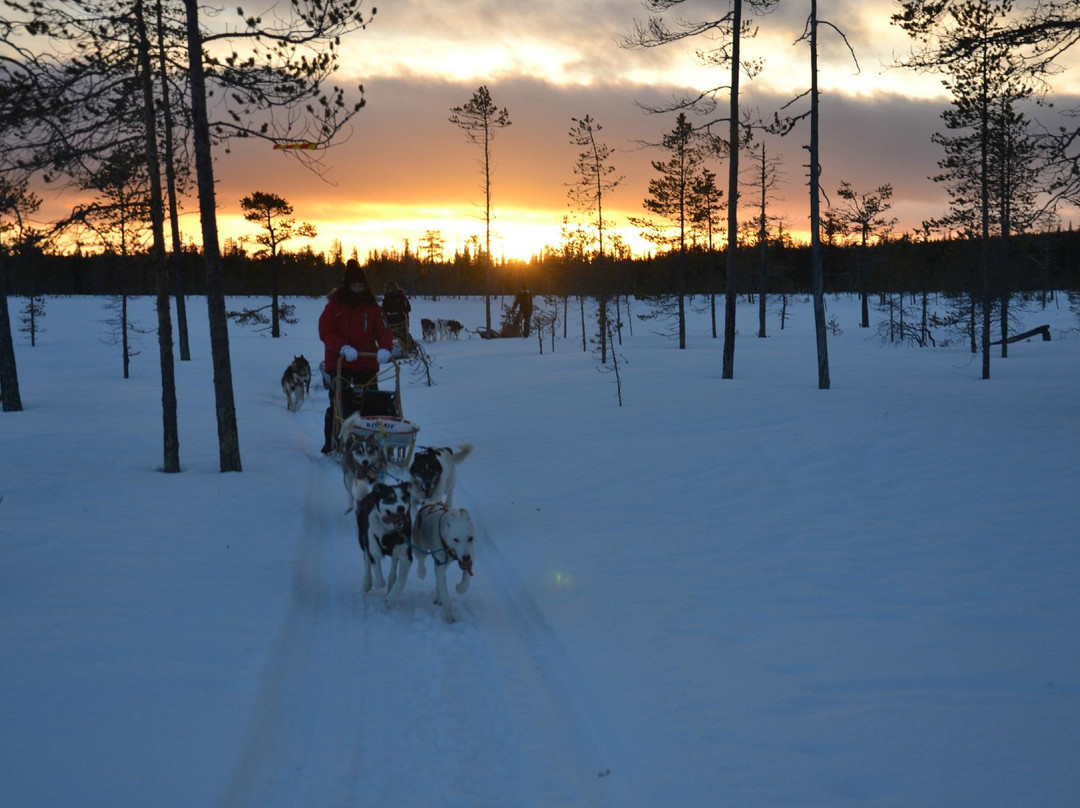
pixel 973 328
pixel 487 230
pixel 818 281
pixel 984 257
pixel 763 248
pixel 683 260
pixel 864 285
pixel 125 347
pixel 170 184
pixel 925 315
pixel 171 437
pixel 275 316
pixel 584 335
pixel 9 374
pixel 228 436
pixel 728 371
pixel 602 310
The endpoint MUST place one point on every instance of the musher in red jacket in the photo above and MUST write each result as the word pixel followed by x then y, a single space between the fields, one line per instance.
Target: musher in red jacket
pixel 351 325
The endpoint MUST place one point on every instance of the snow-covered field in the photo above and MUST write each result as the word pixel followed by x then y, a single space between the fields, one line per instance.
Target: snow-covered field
pixel 746 592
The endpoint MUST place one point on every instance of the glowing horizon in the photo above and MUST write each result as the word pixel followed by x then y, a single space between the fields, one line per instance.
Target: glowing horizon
pixel 405 170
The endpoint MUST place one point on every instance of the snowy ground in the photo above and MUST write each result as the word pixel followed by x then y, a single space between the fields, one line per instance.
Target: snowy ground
pixel 744 593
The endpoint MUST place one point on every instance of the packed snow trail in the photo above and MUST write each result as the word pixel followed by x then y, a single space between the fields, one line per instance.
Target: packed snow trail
pixel 358 705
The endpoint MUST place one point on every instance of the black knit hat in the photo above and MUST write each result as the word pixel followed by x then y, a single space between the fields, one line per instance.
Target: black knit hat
pixel 354 273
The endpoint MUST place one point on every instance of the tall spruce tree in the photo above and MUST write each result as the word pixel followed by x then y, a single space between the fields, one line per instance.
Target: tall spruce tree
pixel 978 64
pixel 671 197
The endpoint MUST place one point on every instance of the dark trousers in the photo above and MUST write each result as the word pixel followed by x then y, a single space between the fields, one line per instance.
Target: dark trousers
pixel 355 380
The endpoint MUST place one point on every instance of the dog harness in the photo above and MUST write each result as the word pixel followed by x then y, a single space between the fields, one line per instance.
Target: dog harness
pixel 443 556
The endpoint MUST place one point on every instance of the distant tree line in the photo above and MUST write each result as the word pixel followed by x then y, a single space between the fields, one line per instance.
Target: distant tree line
pixel 1034 262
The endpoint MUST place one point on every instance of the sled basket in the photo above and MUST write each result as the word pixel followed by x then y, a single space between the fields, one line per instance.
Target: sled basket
pixel 397 435
pixel 390 430
pixel 380 410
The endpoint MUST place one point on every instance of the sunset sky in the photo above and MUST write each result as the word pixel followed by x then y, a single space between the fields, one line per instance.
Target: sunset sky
pixel 406 169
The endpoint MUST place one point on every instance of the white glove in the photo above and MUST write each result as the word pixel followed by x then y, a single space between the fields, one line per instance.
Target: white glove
pixel 349 352
pixel 382 356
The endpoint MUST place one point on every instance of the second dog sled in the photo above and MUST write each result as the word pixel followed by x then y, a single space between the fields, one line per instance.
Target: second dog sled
pixel 512 325
pixel 505 331
pixel 380 412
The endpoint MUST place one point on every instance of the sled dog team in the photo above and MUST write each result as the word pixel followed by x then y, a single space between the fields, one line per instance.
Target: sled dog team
pixel 401 513
pixel 440 329
pixel 407 513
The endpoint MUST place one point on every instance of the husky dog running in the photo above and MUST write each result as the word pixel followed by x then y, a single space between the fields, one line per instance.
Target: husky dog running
pixel 427 327
pixel 434 472
pixel 296 382
pixel 446 534
pixel 384 529
pixel 363 457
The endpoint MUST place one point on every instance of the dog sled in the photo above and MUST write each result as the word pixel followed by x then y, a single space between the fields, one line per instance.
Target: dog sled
pixel 380 412
pixel 512 325
pixel 506 331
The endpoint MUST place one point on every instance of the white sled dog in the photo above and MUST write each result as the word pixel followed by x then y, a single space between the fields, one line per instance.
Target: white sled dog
pixel 296 382
pixel 434 472
pixel 446 534
pixel 363 458
pixel 384 529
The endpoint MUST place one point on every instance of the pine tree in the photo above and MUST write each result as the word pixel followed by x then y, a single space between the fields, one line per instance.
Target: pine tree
pixel 479 118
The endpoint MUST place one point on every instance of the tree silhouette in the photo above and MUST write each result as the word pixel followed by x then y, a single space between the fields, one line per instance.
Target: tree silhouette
pixel 119 217
pixel 765 173
pixel 479 118
pixel 728 31
pixel 671 197
pixel 865 212
pixel 708 205
pixel 61 110
pixel 273 214
pixel 595 178
pixel 16 202
pixel 810 36
pixel 969 45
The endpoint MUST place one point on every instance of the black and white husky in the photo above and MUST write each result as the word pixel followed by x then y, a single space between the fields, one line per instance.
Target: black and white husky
pixel 384 529
pixel 434 472
pixel 296 382
pixel 363 458
pixel 446 534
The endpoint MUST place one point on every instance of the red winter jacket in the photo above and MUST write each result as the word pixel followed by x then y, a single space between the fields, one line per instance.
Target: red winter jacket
pixel 363 327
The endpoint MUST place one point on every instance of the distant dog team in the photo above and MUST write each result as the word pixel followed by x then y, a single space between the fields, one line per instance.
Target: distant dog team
pixel 433 330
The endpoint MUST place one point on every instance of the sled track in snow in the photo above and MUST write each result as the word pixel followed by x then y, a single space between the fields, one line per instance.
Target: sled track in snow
pixel 579 750
pixel 361 706
pixel 296 720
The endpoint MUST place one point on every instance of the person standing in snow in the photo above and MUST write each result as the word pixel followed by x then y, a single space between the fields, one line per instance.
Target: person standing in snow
pixel 397 307
pixel 524 305
pixel 353 327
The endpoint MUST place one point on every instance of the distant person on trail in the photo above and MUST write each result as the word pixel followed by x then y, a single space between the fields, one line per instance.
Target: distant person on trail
pixel 397 307
pixel 524 305
pixel 353 327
